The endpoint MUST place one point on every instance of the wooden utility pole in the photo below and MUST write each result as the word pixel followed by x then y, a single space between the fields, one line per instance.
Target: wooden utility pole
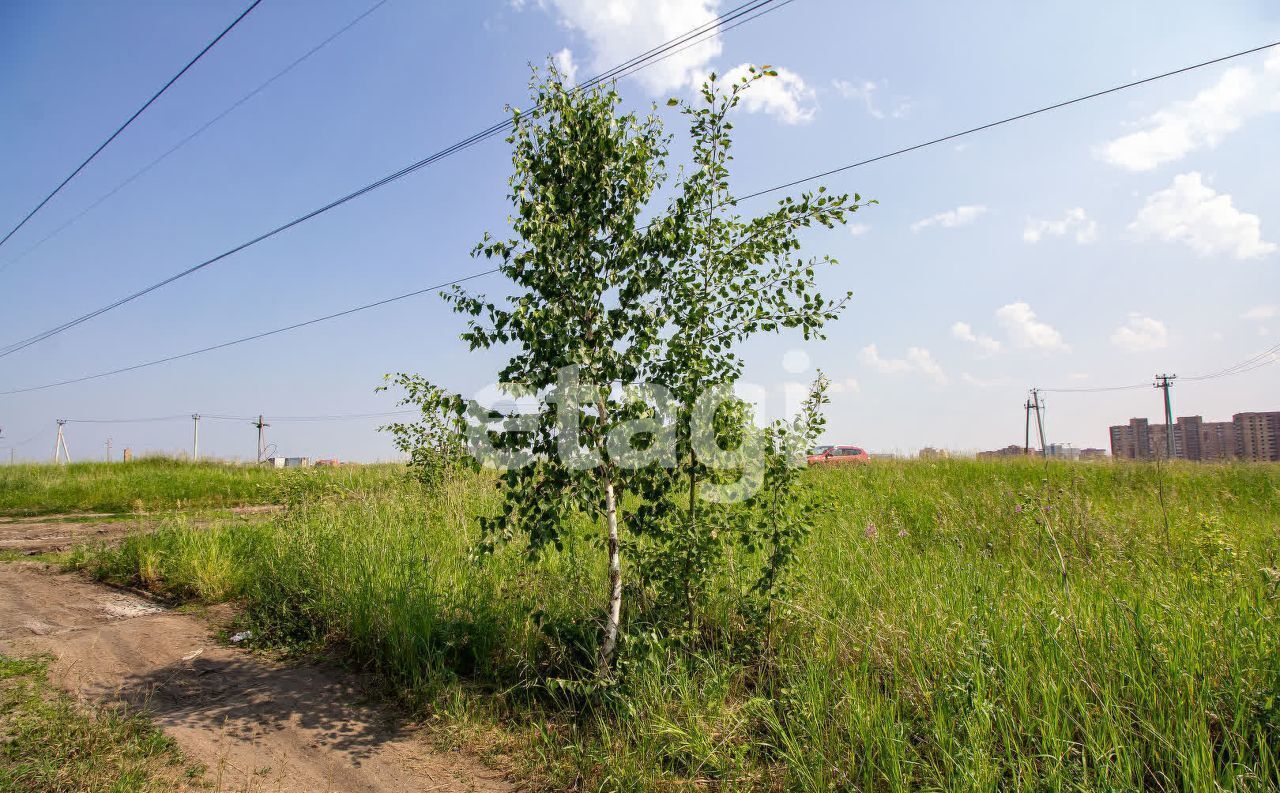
pixel 195 438
pixel 60 447
pixel 262 438
pixel 1164 382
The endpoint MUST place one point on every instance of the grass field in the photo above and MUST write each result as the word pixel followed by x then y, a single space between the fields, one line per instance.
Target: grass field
pixel 157 483
pixel 957 625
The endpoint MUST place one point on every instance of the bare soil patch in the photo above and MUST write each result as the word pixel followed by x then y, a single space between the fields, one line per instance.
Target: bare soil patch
pixel 257 726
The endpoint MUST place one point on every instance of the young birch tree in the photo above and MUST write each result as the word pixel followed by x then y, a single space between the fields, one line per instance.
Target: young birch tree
pixel 602 300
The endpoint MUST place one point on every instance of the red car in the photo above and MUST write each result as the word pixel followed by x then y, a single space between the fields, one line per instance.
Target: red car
pixel 838 455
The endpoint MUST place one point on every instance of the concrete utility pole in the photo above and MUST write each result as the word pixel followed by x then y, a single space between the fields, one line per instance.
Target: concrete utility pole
pixel 1026 435
pixel 262 438
pixel 195 438
pixel 1165 382
pixel 60 447
pixel 108 449
pixel 1038 407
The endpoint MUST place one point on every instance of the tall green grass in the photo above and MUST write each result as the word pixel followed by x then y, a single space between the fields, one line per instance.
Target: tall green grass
pixel 156 483
pixel 957 625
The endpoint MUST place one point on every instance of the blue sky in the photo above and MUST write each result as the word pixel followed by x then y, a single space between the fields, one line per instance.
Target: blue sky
pixel 1092 246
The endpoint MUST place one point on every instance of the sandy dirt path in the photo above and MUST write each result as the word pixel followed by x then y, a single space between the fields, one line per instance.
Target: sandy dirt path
pixel 46 533
pixel 256 726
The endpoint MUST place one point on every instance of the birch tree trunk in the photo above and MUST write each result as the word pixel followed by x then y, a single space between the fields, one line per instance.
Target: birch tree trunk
pixel 610 643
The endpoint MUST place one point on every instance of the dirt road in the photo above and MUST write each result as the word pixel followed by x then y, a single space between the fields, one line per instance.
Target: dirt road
pixel 47 533
pixel 256 726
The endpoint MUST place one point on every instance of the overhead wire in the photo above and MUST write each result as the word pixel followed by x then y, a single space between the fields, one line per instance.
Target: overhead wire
pixel 1264 358
pixel 20 444
pixel 150 420
pixel 129 121
pixel 253 337
pixel 192 136
pixel 628 67
pixel 224 417
pixel 755 194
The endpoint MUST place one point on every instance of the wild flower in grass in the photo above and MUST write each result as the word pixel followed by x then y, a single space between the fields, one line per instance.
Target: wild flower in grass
pixel 1017 508
pixel 902 532
pixel 870 531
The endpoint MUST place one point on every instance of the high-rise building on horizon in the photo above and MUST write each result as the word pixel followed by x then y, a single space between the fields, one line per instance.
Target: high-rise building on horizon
pixel 1258 436
pixel 1248 436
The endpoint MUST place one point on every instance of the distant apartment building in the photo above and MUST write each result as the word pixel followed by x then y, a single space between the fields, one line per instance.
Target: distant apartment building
pixel 1258 436
pixel 930 453
pixel 1062 451
pixel 1012 450
pixel 1248 436
pixel 1131 441
pixel 1218 440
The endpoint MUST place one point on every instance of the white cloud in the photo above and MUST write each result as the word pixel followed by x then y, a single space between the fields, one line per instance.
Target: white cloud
pixel 960 216
pixel 568 69
pixel 1259 313
pixel 858 229
pixel 918 360
pixel 1191 212
pixel 1075 221
pixel 865 91
pixel 1170 134
pixel 621 29
pixel 848 385
pixel 962 331
pixel 1025 331
pixel 1140 334
pixel 783 96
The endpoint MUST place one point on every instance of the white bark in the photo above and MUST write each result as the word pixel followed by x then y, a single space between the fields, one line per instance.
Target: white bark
pixel 615 581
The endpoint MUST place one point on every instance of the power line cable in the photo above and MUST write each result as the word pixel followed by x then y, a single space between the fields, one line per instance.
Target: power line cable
pixel 344 416
pixel 629 67
pixel 230 109
pixel 758 193
pixel 150 420
pixel 130 120
pixel 1011 119
pixel 35 437
pixel 1095 389
pixel 1264 358
pixel 253 337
